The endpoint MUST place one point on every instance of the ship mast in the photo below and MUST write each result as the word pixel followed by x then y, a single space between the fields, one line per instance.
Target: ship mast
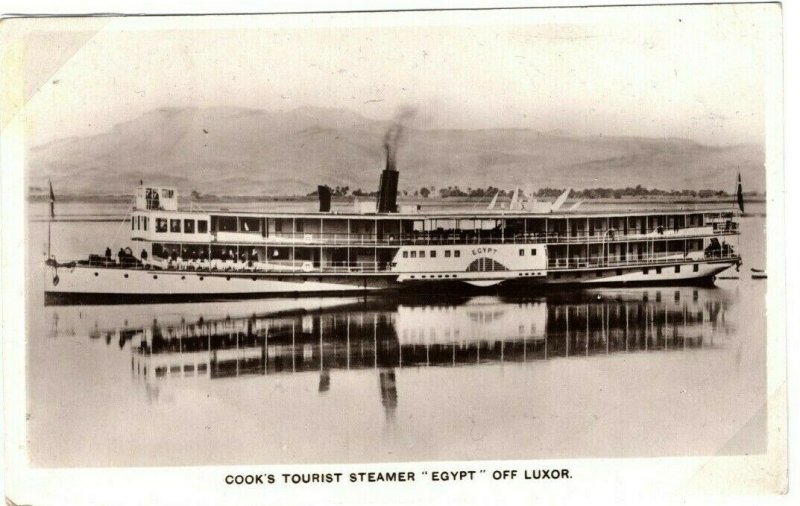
pixel 52 216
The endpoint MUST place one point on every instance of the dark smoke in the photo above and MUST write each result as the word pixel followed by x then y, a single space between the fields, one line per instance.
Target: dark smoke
pixel 393 136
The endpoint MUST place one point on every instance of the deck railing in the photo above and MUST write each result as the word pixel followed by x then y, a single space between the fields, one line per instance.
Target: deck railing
pixel 471 238
pixel 218 265
pixel 310 267
pixel 635 260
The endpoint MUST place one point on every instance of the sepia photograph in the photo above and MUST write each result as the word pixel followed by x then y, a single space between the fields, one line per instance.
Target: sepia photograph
pixel 357 238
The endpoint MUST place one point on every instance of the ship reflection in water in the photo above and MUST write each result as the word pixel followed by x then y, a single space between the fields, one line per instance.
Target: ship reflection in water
pixel 385 335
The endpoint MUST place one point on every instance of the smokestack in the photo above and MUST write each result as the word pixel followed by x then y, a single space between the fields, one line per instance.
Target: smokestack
pixel 324 198
pixel 387 189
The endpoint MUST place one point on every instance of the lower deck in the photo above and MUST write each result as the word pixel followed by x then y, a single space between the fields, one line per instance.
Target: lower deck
pixel 80 284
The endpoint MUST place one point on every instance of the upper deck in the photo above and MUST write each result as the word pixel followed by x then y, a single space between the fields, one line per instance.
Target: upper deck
pixel 423 226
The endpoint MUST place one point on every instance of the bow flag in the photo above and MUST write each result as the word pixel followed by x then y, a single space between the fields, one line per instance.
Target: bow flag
pixel 52 201
pixel 739 195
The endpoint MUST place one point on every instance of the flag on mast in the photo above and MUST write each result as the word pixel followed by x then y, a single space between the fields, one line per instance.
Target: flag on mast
pixel 52 201
pixel 739 195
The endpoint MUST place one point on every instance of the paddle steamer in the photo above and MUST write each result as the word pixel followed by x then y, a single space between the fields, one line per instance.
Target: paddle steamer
pixel 188 254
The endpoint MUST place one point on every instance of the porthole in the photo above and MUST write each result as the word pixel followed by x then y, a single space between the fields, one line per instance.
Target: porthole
pixel 183 277
pixel 201 278
pixel 227 278
pixel 126 275
pixel 254 278
pixel 96 274
pixel 155 276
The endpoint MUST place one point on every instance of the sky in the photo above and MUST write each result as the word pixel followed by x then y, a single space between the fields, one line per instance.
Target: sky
pixel 697 72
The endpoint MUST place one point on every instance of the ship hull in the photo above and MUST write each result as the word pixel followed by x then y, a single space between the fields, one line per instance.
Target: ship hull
pixel 91 285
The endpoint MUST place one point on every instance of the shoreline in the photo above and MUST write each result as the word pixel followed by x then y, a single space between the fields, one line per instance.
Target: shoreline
pixel 431 201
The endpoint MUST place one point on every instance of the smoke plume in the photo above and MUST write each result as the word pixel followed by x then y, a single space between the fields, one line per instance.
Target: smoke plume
pixel 393 136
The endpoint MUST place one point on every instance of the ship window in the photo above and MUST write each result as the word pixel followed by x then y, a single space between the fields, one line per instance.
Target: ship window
pixel 161 225
pixel 174 225
pixel 645 271
pixel 658 270
pixel 188 226
pixel 249 225
pixel 202 226
pixel 695 268
pixel 226 223
pixel 619 272
pixel 433 254
pixel 422 254
pixel 457 253
pixel 405 254
pixel 278 225
pixel 447 253
pixel 146 220
pixel 599 274
pixel 677 268
pixel 413 254
pixel 298 227
pixel 133 222
pixel 522 252
pixel 533 252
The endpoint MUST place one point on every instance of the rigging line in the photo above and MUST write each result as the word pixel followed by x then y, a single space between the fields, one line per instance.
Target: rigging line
pixel 114 240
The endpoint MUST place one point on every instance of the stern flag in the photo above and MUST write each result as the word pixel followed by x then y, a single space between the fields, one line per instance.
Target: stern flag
pixel 52 201
pixel 739 195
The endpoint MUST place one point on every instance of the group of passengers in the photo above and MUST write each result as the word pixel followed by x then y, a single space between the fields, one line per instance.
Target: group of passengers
pixel 195 260
pixel 124 258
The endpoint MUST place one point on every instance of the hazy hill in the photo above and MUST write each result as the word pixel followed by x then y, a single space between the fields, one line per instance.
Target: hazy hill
pixel 229 151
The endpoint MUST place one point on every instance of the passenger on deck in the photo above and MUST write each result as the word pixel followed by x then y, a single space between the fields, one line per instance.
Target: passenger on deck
pixel 144 256
pixel 108 253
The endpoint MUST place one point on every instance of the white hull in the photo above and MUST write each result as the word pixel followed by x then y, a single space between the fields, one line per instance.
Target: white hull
pixel 99 284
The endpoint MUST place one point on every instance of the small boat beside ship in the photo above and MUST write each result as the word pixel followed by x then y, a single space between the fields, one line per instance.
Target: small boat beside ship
pixel 188 254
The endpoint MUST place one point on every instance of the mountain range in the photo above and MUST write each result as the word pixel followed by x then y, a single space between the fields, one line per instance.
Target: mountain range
pixel 234 151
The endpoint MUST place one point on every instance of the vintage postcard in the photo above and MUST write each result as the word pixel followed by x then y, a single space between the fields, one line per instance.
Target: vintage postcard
pixel 435 255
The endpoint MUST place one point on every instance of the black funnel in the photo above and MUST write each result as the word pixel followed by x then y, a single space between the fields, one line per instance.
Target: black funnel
pixel 387 189
pixel 324 198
